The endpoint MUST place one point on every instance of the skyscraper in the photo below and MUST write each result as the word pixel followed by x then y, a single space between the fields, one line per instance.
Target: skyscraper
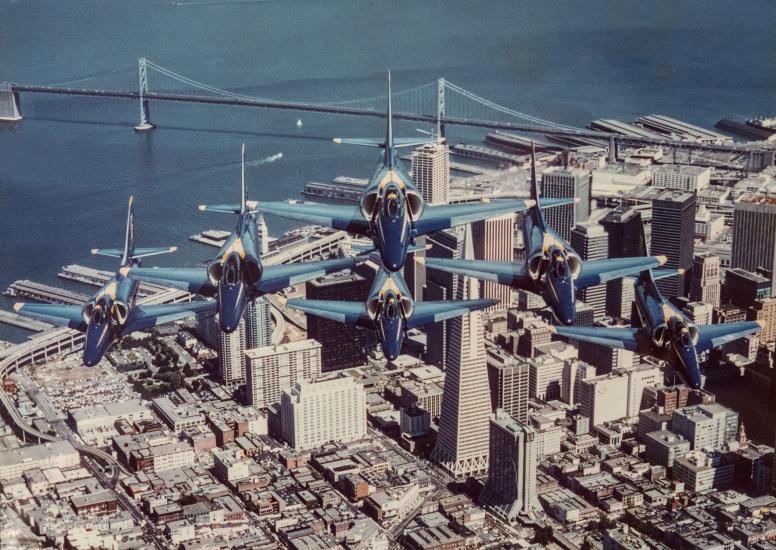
pixel 562 184
pixel 314 413
pixel 272 369
pixel 231 355
pixel 441 285
pixel 705 283
pixel 626 235
pixel 591 242
pixel 258 323
pixel 343 346
pixel 494 240
pixel 462 443
pixel 431 172
pixel 754 235
pixel 511 486
pixel 508 378
pixel 673 233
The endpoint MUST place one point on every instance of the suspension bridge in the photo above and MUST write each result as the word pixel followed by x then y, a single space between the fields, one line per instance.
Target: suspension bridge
pixel 439 103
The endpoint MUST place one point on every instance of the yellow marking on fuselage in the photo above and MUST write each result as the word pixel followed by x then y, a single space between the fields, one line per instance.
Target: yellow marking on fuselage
pixel 390 285
pixel 549 240
pixel 668 312
pixel 236 246
pixel 109 291
pixel 125 271
pixel 391 177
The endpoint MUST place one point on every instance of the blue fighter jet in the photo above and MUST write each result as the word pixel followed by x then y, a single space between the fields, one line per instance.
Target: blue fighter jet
pixel 552 269
pixel 236 275
pixel 392 211
pixel 389 310
pixel 662 331
pixel 114 312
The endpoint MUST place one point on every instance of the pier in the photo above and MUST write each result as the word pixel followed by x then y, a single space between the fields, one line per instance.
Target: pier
pixel 30 290
pixel 21 321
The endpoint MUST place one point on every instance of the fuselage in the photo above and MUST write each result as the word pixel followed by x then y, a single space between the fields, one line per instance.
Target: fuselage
pixel 235 271
pixel 391 204
pixel 390 305
pixel 106 315
pixel 551 265
pixel 671 336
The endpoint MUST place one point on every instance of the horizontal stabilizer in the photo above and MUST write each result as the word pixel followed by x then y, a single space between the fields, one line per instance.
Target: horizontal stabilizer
pixel 225 208
pixel 136 253
pixel 398 142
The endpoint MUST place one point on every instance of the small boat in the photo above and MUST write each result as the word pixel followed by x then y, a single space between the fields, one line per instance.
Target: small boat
pixel 299 123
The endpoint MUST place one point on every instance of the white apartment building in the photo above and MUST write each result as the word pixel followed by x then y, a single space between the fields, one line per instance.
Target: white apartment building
pixel 272 369
pixel 314 413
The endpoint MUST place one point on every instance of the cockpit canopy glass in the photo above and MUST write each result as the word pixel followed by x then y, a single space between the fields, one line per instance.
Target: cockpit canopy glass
pixel 231 274
pixel 393 205
pixel 391 309
pixel 97 315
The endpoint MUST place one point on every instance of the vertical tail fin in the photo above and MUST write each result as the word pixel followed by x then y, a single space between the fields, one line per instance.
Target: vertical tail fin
pixel 534 183
pixel 390 156
pixel 243 190
pixel 129 240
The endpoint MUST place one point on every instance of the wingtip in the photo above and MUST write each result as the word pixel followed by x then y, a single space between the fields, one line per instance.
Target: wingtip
pixel 662 259
pixel 577 200
pixel 680 271
pixel 759 322
pixel 202 207
pixel 18 306
pixel 94 251
pixel 530 203
pixel 173 249
pixel 337 140
pixel 131 199
pixel 420 260
pixel 552 329
pixel 252 204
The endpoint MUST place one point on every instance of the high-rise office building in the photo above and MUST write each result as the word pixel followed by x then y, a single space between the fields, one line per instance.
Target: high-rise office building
pixel 604 398
pixel 705 426
pixel 431 172
pixel 462 443
pixel 558 183
pixel 673 233
pixel 545 377
pixel 343 346
pixel 754 235
pixel 681 177
pixel 511 487
pixel 494 240
pixel 591 242
pixel 508 378
pixel 705 283
pixel 626 235
pixel 441 285
pixel 230 348
pixel 258 323
pixel 315 413
pixel 743 288
pixel 272 369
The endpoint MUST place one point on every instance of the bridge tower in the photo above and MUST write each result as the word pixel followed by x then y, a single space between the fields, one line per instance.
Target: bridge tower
pixel 441 108
pixel 9 103
pixel 142 90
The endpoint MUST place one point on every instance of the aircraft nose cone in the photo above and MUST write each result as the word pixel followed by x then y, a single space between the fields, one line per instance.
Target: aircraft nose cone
pixel 393 257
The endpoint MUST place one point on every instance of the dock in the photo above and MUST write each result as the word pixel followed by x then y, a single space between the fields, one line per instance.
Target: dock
pixel 21 321
pixel 211 237
pixel 343 188
pixel 486 153
pixel 47 294
pixel 98 277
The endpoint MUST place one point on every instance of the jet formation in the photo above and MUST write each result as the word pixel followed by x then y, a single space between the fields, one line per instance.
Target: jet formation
pixel 392 214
